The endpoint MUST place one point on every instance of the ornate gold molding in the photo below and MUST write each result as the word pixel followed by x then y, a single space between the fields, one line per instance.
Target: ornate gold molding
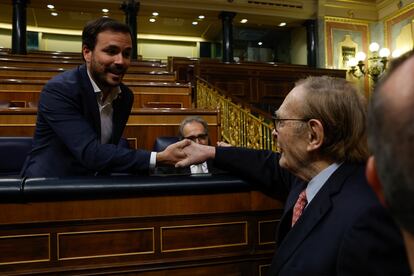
pixel 239 126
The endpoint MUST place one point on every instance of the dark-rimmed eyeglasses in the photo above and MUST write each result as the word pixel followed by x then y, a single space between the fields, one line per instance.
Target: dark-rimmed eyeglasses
pixel 202 136
pixel 277 122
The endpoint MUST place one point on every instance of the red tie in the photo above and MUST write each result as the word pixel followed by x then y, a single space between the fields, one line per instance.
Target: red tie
pixel 299 206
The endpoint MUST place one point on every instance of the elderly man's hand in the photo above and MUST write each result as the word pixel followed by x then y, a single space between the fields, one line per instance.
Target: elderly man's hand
pixel 223 144
pixel 173 153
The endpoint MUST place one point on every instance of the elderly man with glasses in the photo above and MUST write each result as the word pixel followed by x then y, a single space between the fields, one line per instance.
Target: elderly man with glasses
pixel 332 224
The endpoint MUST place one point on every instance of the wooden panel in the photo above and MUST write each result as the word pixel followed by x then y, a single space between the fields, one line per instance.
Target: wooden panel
pixel 105 243
pixel 267 230
pixel 23 96
pixel 192 237
pixel 48 73
pixel 17 249
pixel 259 84
pixel 155 234
pixel 264 269
pixel 29 90
pixel 171 99
pixel 143 126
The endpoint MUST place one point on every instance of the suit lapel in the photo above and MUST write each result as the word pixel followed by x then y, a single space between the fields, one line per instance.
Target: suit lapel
pixel 312 216
pixel 120 114
pixel 116 128
pixel 90 104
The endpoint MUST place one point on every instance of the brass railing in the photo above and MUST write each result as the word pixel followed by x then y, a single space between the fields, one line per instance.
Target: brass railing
pixel 239 126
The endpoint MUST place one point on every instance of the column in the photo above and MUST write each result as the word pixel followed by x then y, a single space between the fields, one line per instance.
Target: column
pixel 131 8
pixel 311 42
pixel 227 23
pixel 19 27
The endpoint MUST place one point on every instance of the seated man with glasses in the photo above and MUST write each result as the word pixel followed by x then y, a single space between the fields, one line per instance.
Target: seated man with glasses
pixel 332 223
pixel 195 129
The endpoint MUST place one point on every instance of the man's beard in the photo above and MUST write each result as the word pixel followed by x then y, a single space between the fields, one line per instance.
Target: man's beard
pixel 101 77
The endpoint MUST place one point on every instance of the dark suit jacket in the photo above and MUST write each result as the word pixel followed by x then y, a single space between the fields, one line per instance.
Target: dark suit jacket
pixel 343 231
pixel 67 136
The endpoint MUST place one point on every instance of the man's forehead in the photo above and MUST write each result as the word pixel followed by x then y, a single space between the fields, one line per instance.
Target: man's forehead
pixel 113 36
pixel 291 101
pixel 398 90
pixel 193 124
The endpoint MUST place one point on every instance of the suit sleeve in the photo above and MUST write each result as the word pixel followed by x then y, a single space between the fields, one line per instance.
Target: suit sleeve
pixel 373 246
pixel 63 111
pixel 259 167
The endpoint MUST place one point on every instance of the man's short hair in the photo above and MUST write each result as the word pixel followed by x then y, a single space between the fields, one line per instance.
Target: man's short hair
pixel 94 27
pixel 191 119
pixel 390 138
pixel 340 108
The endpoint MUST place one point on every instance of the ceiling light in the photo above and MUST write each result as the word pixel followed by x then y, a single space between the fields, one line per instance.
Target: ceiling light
pixel 50 6
pixel 105 10
pixel 282 24
pixel 195 23
pixel 152 20
pixel 155 13
pixel 54 13
pixel 243 21
pixel 201 17
pixel 260 43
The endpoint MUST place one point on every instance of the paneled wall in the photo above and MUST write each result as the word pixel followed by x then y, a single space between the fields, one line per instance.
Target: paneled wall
pixel 176 225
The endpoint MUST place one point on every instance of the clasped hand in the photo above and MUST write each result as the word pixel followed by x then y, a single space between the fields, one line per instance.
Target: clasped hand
pixel 185 153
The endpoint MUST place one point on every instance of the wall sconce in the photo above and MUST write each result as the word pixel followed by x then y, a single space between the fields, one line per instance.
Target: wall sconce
pixel 376 65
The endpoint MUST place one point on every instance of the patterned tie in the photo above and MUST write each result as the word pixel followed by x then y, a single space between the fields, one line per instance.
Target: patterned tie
pixel 299 206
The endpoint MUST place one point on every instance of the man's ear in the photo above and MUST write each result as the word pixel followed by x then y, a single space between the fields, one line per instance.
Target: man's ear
pixel 374 181
pixel 86 52
pixel 315 134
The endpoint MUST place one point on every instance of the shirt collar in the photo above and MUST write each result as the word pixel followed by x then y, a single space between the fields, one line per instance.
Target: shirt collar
pixel 319 180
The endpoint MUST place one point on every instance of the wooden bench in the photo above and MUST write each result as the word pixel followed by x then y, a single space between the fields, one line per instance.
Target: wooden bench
pixel 136 66
pixel 145 93
pixel 33 73
pixel 143 126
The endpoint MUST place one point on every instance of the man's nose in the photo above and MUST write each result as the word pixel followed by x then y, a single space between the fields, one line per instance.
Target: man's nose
pixel 274 133
pixel 120 59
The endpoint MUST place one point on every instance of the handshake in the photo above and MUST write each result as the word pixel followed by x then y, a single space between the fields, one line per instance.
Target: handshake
pixel 186 152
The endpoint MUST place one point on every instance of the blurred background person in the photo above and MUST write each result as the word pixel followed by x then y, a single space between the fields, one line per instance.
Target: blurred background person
pixel 391 138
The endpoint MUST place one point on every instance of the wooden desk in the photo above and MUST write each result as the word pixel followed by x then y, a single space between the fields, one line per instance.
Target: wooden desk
pixel 192 231
pixel 145 93
pixel 143 126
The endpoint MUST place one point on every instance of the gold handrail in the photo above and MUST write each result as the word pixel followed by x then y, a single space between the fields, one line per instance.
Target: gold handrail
pixel 239 126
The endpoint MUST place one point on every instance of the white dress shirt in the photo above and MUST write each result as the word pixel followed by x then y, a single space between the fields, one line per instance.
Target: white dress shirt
pixel 106 112
pixel 200 168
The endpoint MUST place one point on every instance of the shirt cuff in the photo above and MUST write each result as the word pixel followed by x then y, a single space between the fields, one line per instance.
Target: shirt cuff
pixel 153 160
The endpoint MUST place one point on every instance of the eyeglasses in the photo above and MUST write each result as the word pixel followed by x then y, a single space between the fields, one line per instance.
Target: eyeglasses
pixel 202 136
pixel 277 122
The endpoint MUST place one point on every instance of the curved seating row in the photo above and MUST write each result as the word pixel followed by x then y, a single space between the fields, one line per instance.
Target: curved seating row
pixel 57 189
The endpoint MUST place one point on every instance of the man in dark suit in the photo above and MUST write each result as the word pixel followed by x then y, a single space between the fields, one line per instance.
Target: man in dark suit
pixel 333 223
pixel 390 169
pixel 83 112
